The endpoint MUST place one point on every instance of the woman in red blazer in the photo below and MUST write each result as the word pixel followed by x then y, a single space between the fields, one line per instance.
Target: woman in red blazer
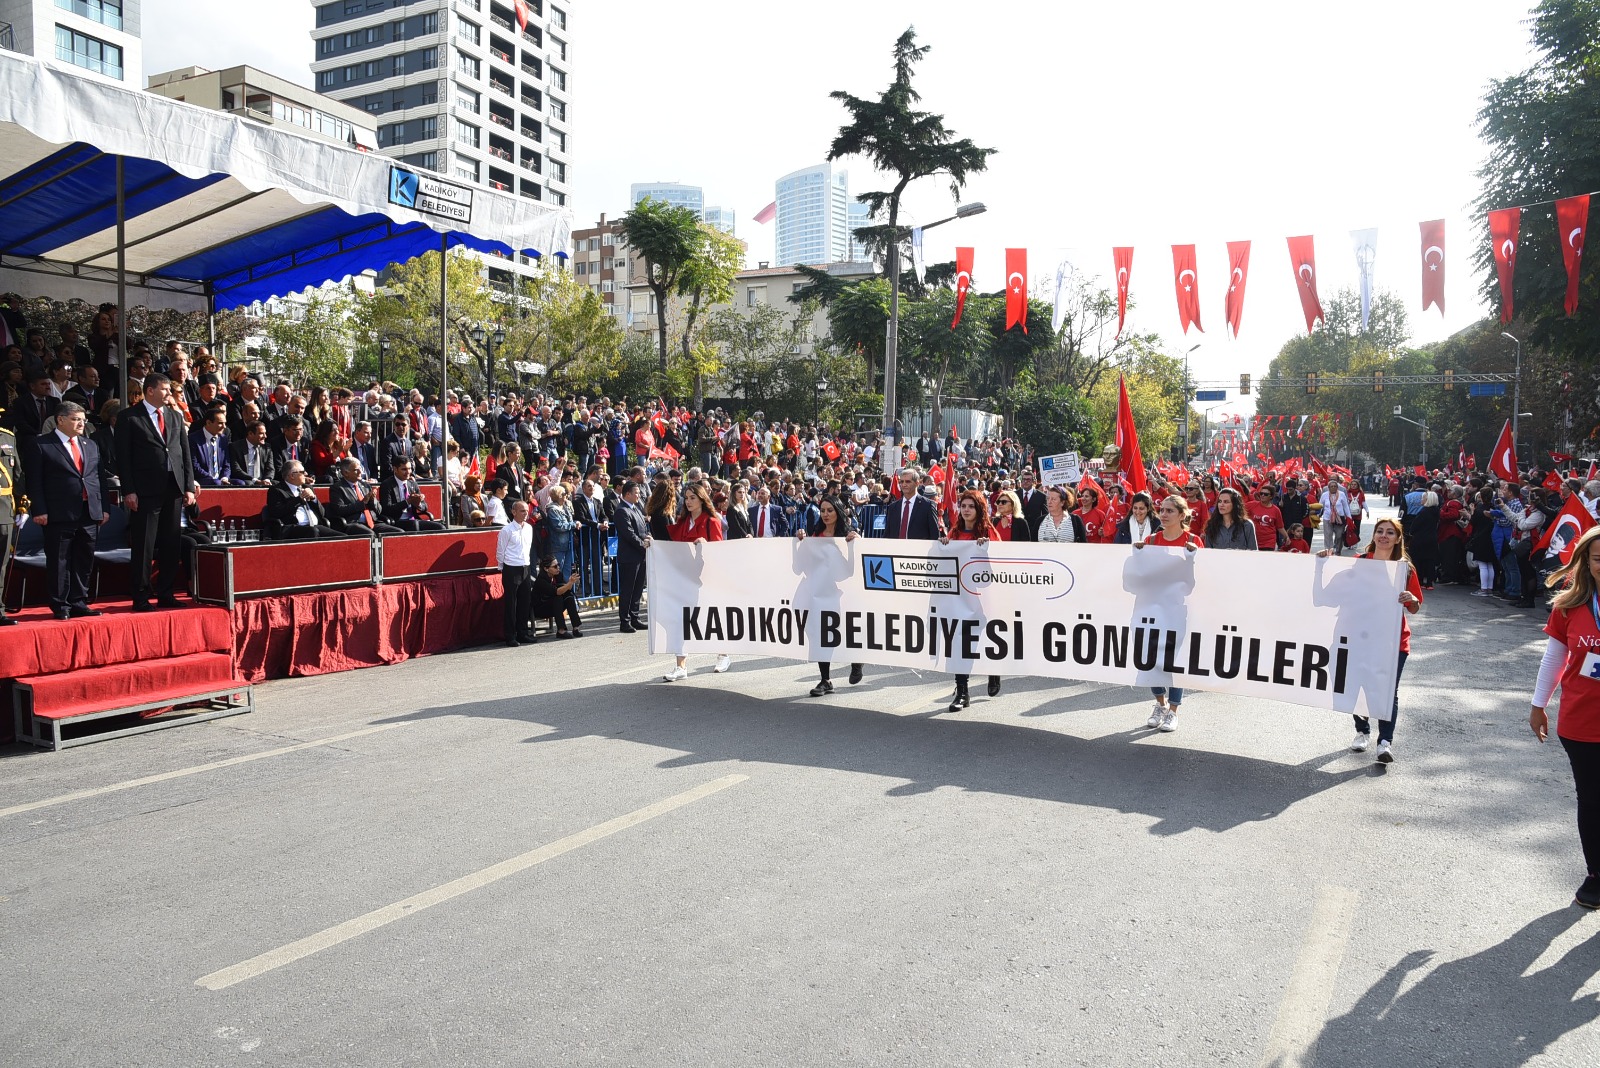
pixel 971 524
pixel 698 524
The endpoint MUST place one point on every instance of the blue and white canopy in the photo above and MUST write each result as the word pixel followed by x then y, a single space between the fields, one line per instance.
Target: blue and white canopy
pixel 218 206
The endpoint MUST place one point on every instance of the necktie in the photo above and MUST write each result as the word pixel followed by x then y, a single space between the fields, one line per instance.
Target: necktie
pixel 77 456
pixel 405 490
pixel 905 519
pixel 366 516
pixel 761 524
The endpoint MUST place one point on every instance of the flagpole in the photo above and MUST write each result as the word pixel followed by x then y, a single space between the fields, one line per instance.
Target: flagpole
pixel 1516 390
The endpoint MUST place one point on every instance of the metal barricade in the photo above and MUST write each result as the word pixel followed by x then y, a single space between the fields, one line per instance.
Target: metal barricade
pixel 594 555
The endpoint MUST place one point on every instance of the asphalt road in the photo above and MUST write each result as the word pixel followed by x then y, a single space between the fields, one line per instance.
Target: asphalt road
pixel 723 871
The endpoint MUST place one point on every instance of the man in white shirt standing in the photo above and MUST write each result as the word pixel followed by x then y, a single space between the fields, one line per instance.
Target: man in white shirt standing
pixel 514 552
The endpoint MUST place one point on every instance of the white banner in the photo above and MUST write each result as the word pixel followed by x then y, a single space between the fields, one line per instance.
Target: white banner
pixel 1323 632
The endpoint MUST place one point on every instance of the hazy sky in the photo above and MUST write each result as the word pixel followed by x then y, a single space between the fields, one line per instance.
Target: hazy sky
pixel 1144 122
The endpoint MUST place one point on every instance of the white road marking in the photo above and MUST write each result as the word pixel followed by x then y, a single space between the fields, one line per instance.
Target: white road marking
pixel 921 703
pixel 305 947
pixel 197 769
pixel 1292 1043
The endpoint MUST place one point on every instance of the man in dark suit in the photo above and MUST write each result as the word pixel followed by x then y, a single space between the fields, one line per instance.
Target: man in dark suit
pixel 1034 504
pixel 293 511
pixel 291 446
pixel 365 452
pixel 912 516
pixel 209 449
pixel 353 506
pixel 767 519
pixel 157 476
pixel 402 502
pixel 27 415
pixel 251 462
pixel 633 538
pixel 88 392
pixel 64 485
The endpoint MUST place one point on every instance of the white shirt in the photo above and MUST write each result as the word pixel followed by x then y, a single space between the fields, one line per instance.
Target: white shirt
pixel 514 547
pixel 493 510
pixel 1050 530
pixel 1137 531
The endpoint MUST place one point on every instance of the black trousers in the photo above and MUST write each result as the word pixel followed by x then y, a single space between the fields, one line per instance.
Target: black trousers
pixel 1585 760
pixel 517 598
pixel 564 605
pixel 417 524
pixel 630 586
pixel 153 535
pixel 361 530
pixel 296 532
pixel 68 560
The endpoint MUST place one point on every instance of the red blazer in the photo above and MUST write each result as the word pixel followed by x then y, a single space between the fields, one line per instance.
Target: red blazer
pixel 708 526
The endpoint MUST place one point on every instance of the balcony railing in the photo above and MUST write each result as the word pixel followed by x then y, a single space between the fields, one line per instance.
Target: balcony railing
pixel 501 120
pixel 533 69
pixel 499 20
pixel 533 133
pixel 7 41
pixel 531 165
pixel 502 87
pixel 504 57
pixel 502 153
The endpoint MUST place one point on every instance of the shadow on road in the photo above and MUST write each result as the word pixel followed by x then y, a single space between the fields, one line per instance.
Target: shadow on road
pixel 1479 1010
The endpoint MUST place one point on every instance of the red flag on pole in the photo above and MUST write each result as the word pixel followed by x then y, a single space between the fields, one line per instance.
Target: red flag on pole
pixel 1238 269
pixel 1017 288
pixel 1562 535
pixel 1303 257
pixel 1187 285
pixel 1503 227
pixel 768 213
pixel 1503 461
pixel 1433 265
pixel 1572 221
pixel 1128 441
pixel 1552 482
pixel 1590 476
pixel 522 14
pixel 1123 259
pixel 949 483
pixel 963 282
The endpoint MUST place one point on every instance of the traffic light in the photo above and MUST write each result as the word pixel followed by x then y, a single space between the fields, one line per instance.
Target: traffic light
pixel 1244 385
pixel 1449 380
pixel 1311 381
pixel 1377 381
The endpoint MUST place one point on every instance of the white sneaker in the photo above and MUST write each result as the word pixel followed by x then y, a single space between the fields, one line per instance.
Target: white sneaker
pixel 1385 754
pixel 1156 713
pixel 1360 742
pixel 724 662
pixel 1169 722
pixel 675 674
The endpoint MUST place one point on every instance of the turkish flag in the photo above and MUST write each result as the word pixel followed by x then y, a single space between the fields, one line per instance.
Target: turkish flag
pixel 1472 461
pixel 1562 536
pixel 963 282
pixel 1503 227
pixel 1123 259
pixel 1572 223
pixel 1128 441
pixel 1552 482
pixel 1187 284
pixel 1422 472
pixel 1017 288
pixel 1560 457
pixel 1503 462
pixel 1303 258
pixel 1590 476
pixel 1238 270
pixel 522 13
pixel 1433 265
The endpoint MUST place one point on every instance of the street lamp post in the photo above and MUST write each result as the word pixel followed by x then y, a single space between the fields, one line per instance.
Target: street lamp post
pixel 891 348
pixel 383 354
pixel 1183 418
pixel 490 342
pixel 1516 389
pixel 1423 426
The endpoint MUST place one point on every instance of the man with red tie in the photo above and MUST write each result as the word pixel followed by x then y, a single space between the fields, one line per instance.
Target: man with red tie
pixel 912 515
pixel 767 519
pixel 353 505
pixel 64 485
pixel 157 475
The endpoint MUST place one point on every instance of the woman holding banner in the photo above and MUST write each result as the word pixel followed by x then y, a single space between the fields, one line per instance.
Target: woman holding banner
pixel 1059 522
pixel 1569 663
pixel 698 525
pixel 1388 543
pixel 831 523
pixel 1174 516
pixel 1229 527
pixel 972 524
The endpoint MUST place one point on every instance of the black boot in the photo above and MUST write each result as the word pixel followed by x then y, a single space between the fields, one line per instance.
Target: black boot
pixel 994 685
pixel 960 700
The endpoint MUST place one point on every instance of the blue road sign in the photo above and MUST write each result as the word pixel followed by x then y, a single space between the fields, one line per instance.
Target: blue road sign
pixel 1210 394
pixel 1487 389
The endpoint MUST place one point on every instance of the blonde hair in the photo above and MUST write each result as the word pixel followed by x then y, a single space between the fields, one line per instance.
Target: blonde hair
pixel 1183 505
pixel 1575 574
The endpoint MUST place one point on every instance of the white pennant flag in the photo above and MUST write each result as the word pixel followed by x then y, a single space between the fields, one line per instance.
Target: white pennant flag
pixel 1059 315
pixel 916 252
pixel 1366 245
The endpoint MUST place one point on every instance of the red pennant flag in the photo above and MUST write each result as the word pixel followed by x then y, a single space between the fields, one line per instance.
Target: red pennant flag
pixel 1552 482
pixel 1303 257
pixel 1238 269
pixel 1472 461
pixel 768 213
pixel 1562 535
pixel 1572 222
pixel 1433 265
pixel 1503 227
pixel 949 483
pixel 1128 441
pixel 1421 472
pixel 1503 462
pixel 522 14
pixel 1017 288
pixel 1187 284
pixel 963 282
pixel 1123 259
pixel 1388 472
pixel 831 450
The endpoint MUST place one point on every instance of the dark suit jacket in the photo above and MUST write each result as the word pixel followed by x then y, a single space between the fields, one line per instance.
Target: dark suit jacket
pixel 738 525
pixel 632 529
pixel 368 455
pixel 23 416
pixel 56 488
pixel 390 502
pixel 517 485
pixel 777 522
pixel 91 402
pixel 924 522
pixel 281 449
pixel 283 507
pixel 347 502
pixel 148 465
pixel 239 463
pixel 1035 508
pixel 197 455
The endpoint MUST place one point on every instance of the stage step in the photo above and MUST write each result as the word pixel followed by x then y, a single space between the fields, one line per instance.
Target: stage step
pixel 42 645
pixel 45 704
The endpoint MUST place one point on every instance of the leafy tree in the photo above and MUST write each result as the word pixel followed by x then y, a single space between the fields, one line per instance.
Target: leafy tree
pixel 1012 352
pixel 707 280
pixel 1087 346
pixel 406 311
pixel 1155 395
pixel 313 347
pixel 667 238
pixel 934 351
pixel 1053 419
pixel 554 319
pixel 905 143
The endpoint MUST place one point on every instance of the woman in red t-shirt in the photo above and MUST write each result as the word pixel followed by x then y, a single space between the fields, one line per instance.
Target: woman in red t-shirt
pixel 972 524
pixel 699 524
pixel 1173 515
pixel 1389 543
pixel 1093 515
pixel 1572 661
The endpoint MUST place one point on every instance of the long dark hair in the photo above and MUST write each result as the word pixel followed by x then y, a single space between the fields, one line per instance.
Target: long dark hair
pixel 842 524
pixel 1236 513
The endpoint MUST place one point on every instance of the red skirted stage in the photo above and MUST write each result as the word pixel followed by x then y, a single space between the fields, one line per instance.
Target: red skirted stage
pixel 336 630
